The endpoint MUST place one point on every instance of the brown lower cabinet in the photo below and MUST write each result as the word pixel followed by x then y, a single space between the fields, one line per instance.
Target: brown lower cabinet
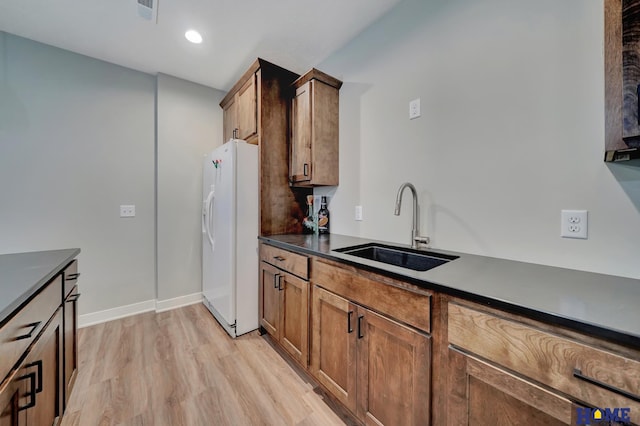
pixel 486 394
pixel 378 368
pixel 284 304
pixel 70 342
pixel 34 394
pixel 505 371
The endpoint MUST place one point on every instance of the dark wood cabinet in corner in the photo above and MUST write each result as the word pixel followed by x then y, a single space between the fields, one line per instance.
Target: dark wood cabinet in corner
pixel 622 82
pixel 314 130
pixel 258 107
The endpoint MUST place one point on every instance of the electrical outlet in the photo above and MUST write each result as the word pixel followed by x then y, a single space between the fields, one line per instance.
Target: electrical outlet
pixel 358 213
pixel 574 224
pixel 414 109
pixel 127 210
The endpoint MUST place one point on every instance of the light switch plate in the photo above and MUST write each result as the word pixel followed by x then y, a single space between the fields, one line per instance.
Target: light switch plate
pixel 414 109
pixel 358 213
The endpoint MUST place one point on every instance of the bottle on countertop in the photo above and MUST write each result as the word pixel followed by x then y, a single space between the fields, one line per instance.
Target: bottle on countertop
pixel 323 217
pixel 309 223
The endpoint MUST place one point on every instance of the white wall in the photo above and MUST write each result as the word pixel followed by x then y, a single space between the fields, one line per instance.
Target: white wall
pixel 189 125
pixel 511 132
pixel 76 141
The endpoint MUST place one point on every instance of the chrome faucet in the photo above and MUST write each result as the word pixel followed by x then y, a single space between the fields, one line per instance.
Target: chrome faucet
pixel 416 240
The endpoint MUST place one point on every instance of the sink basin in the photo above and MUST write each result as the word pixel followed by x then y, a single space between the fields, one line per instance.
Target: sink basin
pixel 399 256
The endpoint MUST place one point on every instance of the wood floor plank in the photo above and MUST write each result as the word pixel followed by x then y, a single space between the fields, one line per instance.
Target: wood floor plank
pixel 179 367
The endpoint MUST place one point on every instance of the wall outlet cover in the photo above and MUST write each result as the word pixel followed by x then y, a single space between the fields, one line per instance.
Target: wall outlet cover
pixel 127 210
pixel 574 224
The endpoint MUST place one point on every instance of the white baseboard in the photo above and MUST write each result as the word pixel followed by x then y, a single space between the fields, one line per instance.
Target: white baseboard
pixel 178 302
pixel 94 318
pixel 115 313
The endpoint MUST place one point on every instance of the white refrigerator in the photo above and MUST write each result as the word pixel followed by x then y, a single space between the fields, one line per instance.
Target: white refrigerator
pixel 230 236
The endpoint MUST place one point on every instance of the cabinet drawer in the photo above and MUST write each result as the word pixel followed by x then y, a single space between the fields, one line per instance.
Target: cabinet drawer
pixel 70 275
pixel 409 307
pixel 297 264
pixel 555 361
pixel 22 329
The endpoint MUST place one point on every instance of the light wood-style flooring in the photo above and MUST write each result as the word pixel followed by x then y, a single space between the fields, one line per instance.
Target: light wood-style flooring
pixel 180 368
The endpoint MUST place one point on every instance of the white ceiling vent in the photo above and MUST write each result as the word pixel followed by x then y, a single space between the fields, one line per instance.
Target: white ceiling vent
pixel 148 9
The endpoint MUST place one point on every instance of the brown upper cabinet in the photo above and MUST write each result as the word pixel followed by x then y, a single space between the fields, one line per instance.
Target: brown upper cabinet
pixel 622 80
pixel 314 130
pixel 258 107
pixel 241 112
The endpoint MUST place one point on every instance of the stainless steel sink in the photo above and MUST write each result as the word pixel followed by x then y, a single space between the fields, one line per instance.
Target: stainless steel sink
pixel 417 260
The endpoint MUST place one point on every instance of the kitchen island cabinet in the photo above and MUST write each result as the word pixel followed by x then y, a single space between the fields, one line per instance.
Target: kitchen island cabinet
pixel 32 332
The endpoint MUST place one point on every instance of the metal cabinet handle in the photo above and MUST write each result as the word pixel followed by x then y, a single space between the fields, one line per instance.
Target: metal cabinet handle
pixel 72 276
pixel 73 298
pixel 34 326
pixel 32 390
pixel 37 364
pixel 349 328
pixel 305 169
pixel 235 133
pixel 275 280
pixel 279 258
pixel 578 375
pixel 280 283
pixel 360 335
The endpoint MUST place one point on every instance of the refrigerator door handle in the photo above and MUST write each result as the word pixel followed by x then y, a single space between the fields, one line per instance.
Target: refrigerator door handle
pixel 208 212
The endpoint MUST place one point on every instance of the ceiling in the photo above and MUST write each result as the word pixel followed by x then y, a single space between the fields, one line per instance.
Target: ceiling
pixel 295 34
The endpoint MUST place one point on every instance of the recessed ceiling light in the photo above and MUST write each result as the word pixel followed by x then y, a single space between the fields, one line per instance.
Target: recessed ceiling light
pixel 193 36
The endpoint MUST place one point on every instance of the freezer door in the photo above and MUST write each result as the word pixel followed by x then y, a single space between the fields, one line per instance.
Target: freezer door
pixel 219 236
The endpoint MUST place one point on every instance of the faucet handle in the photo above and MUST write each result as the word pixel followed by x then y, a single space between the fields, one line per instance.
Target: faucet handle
pixel 421 240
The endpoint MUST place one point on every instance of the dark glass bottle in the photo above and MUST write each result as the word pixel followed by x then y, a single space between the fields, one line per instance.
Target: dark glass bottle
pixel 323 217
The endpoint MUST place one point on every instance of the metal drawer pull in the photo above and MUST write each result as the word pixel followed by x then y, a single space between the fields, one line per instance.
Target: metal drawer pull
pixel 73 298
pixel 360 335
pixel 279 258
pixel 578 374
pixel 32 390
pixel 305 169
pixel 39 375
pixel 71 277
pixel 34 326
pixel 275 280
pixel 349 328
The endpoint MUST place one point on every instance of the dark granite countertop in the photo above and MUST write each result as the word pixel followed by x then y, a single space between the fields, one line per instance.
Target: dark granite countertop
pixel 23 274
pixel 602 305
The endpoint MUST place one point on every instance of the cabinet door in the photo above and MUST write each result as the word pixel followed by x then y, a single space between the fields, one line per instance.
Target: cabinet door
pixel 269 299
pixel 294 311
pixel 300 164
pixel 45 360
pixel 10 413
pixel 70 342
pixel 333 345
pixel 485 394
pixel 247 109
pixel 393 372
pixel 229 119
